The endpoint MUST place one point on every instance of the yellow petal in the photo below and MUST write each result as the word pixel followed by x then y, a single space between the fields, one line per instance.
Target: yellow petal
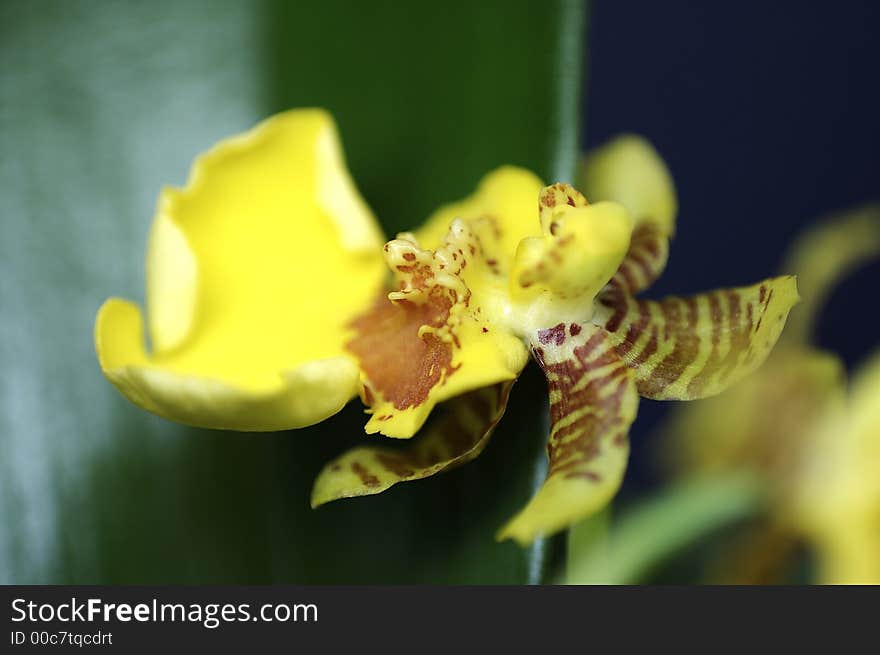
pixel 839 501
pixel 593 401
pixel 456 438
pixel 629 171
pixel 440 334
pixel 684 348
pixel 865 417
pixel 823 255
pixel 506 199
pixel 172 284
pixel 254 270
pixel 313 388
pixel 556 276
pixel 850 554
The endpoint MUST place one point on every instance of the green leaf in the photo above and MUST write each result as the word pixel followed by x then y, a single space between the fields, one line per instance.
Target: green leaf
pixel 103 103
pixel 654 529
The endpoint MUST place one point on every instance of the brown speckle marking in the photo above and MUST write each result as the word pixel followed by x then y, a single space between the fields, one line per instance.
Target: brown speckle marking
pixel 554 335
pixel 396 464
pixel 455 442
pixel 399 364
pixel 366 478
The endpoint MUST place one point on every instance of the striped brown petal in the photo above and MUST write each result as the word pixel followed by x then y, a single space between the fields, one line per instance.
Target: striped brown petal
pixel 628 170
pixel 686 348
pixel 453 439
pixel 593 401
pixel 644 261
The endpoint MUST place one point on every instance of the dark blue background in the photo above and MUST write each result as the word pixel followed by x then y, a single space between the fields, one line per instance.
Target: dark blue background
pixel 768 115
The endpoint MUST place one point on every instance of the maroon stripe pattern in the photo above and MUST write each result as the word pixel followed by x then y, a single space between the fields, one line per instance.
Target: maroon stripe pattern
pixel 685 348
pixel 453 439
pixel 644 261
pixel 593 401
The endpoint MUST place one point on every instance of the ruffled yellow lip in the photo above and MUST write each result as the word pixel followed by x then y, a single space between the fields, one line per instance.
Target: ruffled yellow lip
pixel 253 270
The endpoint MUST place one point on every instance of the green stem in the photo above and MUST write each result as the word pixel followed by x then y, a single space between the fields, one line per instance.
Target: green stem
pixel 570 63
pixel 660 526
pixel 589 539
pixel 547 556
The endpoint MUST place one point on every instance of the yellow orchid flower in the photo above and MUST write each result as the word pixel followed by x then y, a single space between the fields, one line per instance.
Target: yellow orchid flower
pixel 269 307
pixel 814 443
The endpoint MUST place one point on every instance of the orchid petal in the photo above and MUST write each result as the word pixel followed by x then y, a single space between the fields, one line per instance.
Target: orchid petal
pixel 593 401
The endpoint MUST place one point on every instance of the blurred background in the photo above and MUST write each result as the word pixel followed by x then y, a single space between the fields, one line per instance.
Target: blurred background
pixel 766 115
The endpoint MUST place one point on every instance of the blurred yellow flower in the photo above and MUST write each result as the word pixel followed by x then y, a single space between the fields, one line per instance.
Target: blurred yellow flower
pixel 269 307
pixel 814 443
pixel 836 503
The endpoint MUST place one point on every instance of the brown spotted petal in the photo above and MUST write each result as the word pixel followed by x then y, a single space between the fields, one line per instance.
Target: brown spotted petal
pixel 454 439
pixel 435 336
pixel 593 401
pixel 686 348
